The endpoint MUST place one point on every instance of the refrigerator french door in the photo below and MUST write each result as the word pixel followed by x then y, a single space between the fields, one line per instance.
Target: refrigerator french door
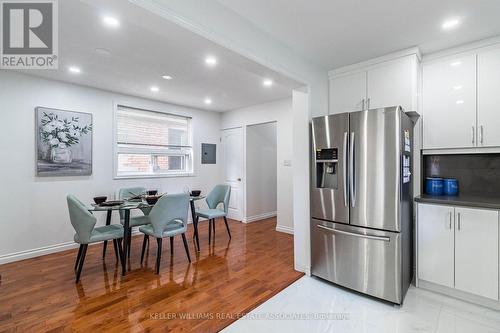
pixel 361 222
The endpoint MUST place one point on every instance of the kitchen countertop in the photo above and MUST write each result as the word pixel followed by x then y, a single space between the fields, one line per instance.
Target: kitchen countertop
pixel 461 200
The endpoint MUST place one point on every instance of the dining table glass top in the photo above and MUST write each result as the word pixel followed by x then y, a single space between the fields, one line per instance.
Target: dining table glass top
pixel 131 204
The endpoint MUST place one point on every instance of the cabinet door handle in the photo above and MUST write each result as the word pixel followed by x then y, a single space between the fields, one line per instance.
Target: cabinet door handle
pixel 363 105
pixel 472 135
pixel 450 220
pixel 481 135
pixel 459 220
pixel 368 104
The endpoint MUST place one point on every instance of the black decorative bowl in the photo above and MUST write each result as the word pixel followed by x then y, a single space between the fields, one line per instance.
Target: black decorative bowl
pixel 152 192
pixel 195 193
pixel 100 200
pixel 152 199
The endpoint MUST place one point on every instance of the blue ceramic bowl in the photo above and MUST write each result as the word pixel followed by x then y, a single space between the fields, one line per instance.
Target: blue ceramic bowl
pixel 434 186
pixel 450 186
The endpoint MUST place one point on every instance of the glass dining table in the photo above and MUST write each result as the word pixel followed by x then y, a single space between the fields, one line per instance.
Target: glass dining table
pixel 126 207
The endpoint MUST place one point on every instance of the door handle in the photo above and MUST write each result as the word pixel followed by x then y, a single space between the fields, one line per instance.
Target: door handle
pixel 473 135
pixel 346 179
pixel 239 179
pixel 450 220
pixel 363 107
pixel 351 171
pixel 459 218
pixel 481 134
pixel 368 104
pixel 353 234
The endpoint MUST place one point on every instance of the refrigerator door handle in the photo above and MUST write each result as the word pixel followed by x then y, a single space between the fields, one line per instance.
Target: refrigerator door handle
pixel 347 233
pixel 346 179
pixel 351 171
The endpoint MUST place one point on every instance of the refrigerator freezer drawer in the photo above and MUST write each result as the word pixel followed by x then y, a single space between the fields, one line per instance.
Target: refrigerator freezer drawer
pixel 365 260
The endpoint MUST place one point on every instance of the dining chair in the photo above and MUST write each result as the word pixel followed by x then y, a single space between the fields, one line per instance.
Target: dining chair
pixel 86 233
pixel 219 195
pixel 130 192
pixel 168 218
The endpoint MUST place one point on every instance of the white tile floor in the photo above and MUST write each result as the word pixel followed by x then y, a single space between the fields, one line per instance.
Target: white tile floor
pixel 422 311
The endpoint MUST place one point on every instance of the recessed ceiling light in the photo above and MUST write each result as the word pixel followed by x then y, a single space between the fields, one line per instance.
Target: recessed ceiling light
pixel 208 101
pixel 450 24
pixel 155 89
pixel 74 69
pixel 211 61
pixel 455 63
pixel 267 82
pixel 457 87
pixel 167 77
pixel 111 21
pixel 102 51
pixel 460 102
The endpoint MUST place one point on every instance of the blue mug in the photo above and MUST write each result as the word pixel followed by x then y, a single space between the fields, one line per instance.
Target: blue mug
pixel 450 186
pixel 434 186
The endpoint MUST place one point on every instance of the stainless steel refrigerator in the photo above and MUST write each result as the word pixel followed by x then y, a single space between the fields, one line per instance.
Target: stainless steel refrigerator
pixel 361 201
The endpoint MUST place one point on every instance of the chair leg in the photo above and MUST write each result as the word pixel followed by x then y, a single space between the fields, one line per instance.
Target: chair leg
pixel 120 251
pixel 78 256
pixel 172 245
pixel 115 246
pixel 227 227
pixel 80 264
pixel 158 256
pixel 209 230
pixel 104 247
pixel 213 226
pixel 186 246
pixel 129 244
pixel 144 241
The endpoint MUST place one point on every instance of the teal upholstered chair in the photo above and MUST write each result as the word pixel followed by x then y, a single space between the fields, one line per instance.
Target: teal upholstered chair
pixel 130 192
pixel 219 195
pixel 167 218
pixel 86 233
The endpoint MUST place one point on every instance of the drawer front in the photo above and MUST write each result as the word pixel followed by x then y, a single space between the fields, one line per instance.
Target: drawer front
pixel 361 259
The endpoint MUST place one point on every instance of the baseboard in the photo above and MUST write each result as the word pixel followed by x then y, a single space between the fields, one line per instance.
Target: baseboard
pixel 282 228
pixel 259 217
pixel 41 251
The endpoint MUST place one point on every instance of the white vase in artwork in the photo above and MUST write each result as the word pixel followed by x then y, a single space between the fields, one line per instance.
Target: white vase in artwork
pixel 61 155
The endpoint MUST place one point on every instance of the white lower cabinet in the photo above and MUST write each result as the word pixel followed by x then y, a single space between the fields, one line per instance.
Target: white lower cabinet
pixel 459 248
pixel 476 251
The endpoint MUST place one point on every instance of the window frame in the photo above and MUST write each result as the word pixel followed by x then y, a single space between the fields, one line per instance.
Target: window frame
pixel 116 150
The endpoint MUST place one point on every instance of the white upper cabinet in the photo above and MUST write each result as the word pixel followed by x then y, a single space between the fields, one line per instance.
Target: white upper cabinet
pixel 476 251
pixel 388 81
pixel 347 93
pixel 488 98
pixel 393 84
pixel 449 102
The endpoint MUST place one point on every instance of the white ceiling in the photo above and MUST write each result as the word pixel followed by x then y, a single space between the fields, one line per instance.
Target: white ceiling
pixel 334 33
pixel 144 48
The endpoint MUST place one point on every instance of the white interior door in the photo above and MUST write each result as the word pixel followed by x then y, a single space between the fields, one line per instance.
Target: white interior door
pixel 232 150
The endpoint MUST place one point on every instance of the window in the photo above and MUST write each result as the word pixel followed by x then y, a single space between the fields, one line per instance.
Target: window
pixel 150 143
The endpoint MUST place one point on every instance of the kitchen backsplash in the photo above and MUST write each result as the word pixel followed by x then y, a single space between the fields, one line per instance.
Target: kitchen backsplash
pixel 477 174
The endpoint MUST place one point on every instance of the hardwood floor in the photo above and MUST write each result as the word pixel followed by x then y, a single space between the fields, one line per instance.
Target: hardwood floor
pixel 223 282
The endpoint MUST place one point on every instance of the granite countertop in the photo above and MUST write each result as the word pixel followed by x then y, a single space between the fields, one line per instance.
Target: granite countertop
pixel 461 200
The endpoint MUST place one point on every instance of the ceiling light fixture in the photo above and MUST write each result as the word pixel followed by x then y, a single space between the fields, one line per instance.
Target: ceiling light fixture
pixel 460 102
pixel 167 77
pixel 267 82
pixel 208 101
pixel 457 87
pixel 211 61
pixel 450 24
pixel 155 89
pixel 74 69
pixel 111 21
pixel 456 63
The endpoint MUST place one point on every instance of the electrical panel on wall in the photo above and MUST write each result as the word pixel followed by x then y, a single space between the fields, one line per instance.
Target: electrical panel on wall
pixel 208 153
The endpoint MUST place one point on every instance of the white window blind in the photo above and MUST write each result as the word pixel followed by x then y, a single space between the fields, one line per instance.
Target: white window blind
pixel 150 143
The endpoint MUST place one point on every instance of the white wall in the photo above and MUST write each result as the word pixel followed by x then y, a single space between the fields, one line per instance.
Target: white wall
pixel 261 171
pixel 280 112
pixel 33 211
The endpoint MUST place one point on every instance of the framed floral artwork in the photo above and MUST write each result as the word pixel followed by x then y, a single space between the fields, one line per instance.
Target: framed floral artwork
pixel 64 142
